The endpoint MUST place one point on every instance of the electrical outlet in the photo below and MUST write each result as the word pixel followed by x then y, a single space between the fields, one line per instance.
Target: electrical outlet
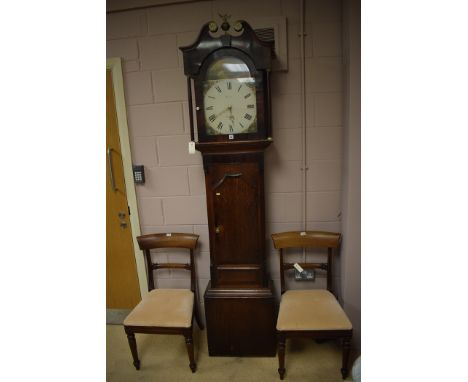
pixel 305 275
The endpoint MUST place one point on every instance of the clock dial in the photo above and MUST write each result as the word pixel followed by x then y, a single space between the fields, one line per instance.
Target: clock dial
pixel 230 106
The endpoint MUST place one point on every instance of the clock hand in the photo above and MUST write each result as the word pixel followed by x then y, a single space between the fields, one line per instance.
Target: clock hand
pixel 231 116
pixel 222 112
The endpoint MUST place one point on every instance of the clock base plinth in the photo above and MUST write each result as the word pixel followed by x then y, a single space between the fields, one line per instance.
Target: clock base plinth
pixel 240 322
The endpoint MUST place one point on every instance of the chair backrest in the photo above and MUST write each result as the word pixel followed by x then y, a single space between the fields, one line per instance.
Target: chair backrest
pixel 168 240
pixel 306 239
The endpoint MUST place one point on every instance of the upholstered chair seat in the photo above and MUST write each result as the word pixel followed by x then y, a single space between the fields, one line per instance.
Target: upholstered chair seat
pixel 163 308
pixel 309 313
pixel 165 311
pixel 311 310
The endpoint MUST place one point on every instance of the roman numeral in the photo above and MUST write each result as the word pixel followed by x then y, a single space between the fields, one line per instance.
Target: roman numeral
pixel 218 89
pixel 229 85
pixel 239 87
pixel 211 97
pixel 247 95
pixel 247 116
pixel 230 128
pixel 251 106
pixel 212 117
pixel 220 126
pixel 241 125
pixel 209 108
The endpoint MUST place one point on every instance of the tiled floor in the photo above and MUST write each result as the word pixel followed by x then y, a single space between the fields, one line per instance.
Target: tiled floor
pixel 164 358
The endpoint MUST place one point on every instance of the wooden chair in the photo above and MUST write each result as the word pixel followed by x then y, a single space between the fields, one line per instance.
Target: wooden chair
pixel 310 313
pixel 165 311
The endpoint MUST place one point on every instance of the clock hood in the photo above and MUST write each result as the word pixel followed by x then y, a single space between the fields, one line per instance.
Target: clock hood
pixel 260 52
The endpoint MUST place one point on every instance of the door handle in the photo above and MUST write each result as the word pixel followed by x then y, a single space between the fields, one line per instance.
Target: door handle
pixel 123 223
pixel 111 172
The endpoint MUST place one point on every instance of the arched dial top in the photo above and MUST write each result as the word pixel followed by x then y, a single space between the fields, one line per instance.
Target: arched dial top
pixel 230 103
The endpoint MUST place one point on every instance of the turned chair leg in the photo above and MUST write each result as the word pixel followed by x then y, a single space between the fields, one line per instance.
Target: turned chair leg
pixel 346 350
pixel 133 349
pixel 189 344
pixel 281 351
pixel 197 317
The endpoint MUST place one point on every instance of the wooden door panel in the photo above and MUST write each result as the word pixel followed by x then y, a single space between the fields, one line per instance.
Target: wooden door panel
pixel 122 287
pixel 236 219
pixel 236 202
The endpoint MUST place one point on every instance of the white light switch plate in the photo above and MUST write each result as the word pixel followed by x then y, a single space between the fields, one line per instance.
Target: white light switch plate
pixel 191 147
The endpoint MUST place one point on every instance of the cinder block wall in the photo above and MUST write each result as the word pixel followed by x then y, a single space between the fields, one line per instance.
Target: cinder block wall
pixel 173 198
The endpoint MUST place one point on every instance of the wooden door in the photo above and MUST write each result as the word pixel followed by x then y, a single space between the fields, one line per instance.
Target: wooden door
pixel 122 288
pixel 236 205
pixel 236 219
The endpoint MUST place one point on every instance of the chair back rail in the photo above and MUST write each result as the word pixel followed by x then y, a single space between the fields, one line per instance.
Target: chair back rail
pixel 306 239
pixel 171 266
pixel 165 240
pixel 168 240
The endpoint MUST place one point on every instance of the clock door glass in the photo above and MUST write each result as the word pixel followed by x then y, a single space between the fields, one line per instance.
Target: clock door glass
pixel 230 100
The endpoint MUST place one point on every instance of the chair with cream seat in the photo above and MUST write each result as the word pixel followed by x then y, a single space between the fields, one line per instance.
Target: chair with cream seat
pixel 309 313
pixel 165 311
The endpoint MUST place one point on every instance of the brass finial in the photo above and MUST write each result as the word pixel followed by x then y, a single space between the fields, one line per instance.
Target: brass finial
pixel 225 25
pixel 213 27
pixel 238 26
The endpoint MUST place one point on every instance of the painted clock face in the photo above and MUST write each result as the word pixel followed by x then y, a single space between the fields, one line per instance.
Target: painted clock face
pixel 229 97
pixel 230 106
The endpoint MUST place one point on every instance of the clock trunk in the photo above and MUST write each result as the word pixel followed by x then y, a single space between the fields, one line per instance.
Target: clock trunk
pixel 239 302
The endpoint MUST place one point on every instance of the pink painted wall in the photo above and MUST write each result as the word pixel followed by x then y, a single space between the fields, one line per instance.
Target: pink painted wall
pixel 173 198
pixel 351 196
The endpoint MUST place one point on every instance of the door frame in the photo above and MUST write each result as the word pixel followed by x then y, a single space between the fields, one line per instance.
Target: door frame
pixel 114 64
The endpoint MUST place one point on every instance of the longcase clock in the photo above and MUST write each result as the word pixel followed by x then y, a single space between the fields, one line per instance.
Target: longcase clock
pixel 229 95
